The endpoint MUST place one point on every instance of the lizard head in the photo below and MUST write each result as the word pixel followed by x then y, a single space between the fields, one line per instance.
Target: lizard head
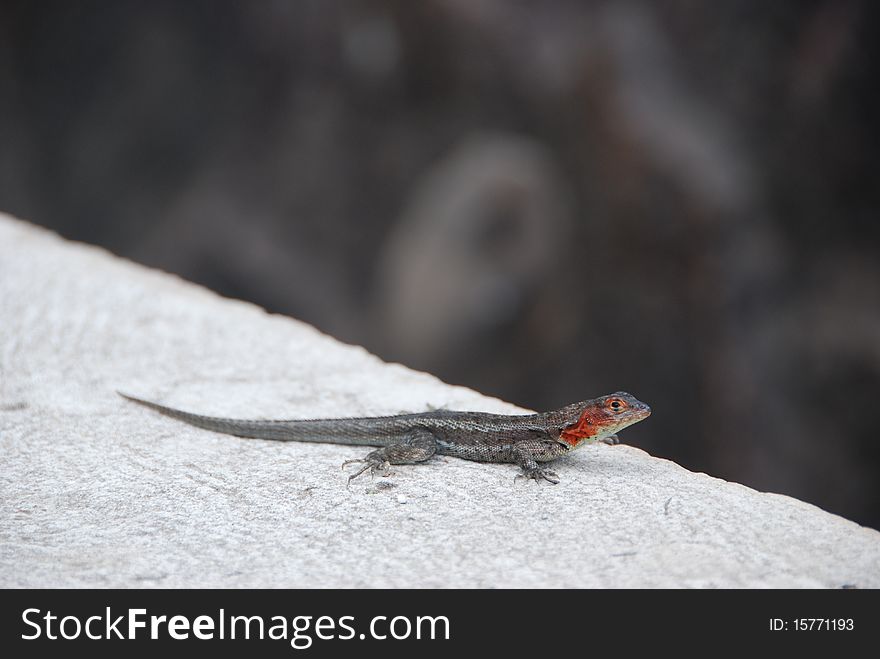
pixel 602 417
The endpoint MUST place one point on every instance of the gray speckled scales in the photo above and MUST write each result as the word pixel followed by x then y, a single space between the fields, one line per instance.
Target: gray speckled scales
pixel 525 440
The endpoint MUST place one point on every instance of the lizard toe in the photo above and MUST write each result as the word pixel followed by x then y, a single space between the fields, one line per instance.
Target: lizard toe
pixel 538 474
pixel 371 464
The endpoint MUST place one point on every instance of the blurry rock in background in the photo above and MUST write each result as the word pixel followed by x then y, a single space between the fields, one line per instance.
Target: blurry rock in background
pixel 544 201
pixel 475 262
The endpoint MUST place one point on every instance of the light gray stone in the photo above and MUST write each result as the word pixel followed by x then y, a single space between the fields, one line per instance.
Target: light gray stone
pixel 95 491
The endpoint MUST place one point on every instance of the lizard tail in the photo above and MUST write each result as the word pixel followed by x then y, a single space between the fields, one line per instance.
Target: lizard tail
pixel 359 432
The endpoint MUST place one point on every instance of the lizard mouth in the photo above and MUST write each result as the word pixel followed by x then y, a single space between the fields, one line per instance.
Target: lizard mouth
pixel 634 415
pixel 638 414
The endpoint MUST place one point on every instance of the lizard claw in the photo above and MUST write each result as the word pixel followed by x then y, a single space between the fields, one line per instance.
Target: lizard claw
pixel 372 464
pixel 537 474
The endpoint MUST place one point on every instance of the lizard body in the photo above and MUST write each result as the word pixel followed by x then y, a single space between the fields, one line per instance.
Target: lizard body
pixel 526 440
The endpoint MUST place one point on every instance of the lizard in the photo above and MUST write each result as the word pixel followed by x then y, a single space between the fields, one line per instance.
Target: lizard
pixel 527 440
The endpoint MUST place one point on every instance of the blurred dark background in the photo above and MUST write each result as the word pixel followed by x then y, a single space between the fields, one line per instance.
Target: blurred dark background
pixel 546 201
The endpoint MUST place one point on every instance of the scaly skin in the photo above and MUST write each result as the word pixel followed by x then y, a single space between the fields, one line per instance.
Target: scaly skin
pixel 526 440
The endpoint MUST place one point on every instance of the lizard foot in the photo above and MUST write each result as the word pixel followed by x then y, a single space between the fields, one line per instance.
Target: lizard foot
pixel 611 440
pixel 374 465
pixel 538 474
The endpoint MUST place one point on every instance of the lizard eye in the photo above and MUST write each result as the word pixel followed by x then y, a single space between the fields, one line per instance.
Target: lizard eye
pixel 616 404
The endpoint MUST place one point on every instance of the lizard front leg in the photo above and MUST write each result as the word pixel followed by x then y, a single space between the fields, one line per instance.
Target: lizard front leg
pixel 418 446
pixel 529 453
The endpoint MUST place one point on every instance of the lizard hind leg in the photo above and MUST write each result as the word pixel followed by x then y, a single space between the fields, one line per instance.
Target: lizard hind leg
pixel 417 447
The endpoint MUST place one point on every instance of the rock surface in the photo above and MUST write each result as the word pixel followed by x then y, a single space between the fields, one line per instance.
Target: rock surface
pixel 98 492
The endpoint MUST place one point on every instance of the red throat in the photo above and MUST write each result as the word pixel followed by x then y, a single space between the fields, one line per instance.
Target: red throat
pixel 583 429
